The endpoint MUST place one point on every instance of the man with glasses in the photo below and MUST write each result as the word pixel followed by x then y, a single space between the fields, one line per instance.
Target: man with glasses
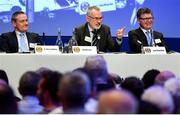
pixel 144 35
pixel 94 33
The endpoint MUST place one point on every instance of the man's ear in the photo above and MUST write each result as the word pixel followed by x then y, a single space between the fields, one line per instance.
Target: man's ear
pixel 87 18
pixel 14 23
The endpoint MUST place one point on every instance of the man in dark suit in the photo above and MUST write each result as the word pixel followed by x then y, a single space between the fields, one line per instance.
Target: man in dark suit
pixel 94 33
pixel 19 40
pixel 144 35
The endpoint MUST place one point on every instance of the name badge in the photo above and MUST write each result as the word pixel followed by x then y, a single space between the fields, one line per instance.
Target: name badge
pixel 47 49
pixel 88 50
pixel 32 45
pixel 154 50
pixel 157 41
pixel 88 39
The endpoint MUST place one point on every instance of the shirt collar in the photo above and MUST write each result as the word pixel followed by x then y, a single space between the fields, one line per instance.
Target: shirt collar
pixel 145 30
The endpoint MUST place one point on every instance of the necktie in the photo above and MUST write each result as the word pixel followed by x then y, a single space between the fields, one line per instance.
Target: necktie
pixel 94 39
pixel 23 44
pixel 149 39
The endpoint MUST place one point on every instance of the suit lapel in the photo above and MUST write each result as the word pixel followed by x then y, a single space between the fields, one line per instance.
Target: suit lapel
pixel 142 37
pixel 14 40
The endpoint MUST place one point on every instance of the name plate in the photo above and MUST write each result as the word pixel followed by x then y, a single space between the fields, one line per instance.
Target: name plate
pixel 84 49
pixel 154 50
pixel 47 49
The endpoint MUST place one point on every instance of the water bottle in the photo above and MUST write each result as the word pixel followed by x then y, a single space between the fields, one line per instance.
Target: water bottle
pixel 72 41
pixel 59 41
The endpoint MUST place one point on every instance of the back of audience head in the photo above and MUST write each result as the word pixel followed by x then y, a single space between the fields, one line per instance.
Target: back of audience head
pixel 117 102
pixel 160 97
pixel 97 68
pixel 8 103
pixel 4 76
pixel 74 91
pixel 48 86
pixel 134 85
pixel 28 83
pixel 149 77
pixel 163 76
pixel 173 86
pixel 148 108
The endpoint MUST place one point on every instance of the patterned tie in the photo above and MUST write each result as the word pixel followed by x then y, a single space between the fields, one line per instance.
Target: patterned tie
pixel 23 45
pixel 149 39
pixel 94 39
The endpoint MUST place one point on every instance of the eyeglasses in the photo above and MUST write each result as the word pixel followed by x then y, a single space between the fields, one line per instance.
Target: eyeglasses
pixel 150 18
pixel 96 18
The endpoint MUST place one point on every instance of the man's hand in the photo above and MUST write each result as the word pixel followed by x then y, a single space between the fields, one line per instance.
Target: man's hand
pixel 120 33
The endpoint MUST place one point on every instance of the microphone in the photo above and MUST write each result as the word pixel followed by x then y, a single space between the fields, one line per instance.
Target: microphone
pixel 152 37
pixel 139 42
pixel 141 46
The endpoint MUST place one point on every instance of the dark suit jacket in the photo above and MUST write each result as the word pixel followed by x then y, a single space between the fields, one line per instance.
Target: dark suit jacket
pixel 136 36
pixel 9 42
pixel 105 43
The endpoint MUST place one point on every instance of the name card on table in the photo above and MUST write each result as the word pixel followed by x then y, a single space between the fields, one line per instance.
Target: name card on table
pixel 47 49
pixel 154 50
pixel 84 49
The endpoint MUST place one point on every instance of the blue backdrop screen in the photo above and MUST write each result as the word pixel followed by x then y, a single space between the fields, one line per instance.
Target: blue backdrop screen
pixel 49 15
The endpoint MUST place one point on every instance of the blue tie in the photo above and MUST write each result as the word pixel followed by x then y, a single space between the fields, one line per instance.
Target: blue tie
pixel 23 45
pixel 149 39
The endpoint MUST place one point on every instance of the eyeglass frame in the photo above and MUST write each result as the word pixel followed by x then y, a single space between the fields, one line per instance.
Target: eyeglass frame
pixel 148 18
pixel 96 18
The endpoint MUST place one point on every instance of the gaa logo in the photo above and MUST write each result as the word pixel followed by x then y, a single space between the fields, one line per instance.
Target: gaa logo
pixel 147 50
pixel 76 49
pixel 39 49
pixel 84 6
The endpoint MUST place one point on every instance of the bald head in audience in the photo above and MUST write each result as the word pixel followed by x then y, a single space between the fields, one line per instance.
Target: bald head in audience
pixel 116 102
pixel 160 97
pixel 97 67
pixel 163 76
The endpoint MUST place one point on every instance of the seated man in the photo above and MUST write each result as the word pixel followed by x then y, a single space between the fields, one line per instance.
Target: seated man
pixel 144 35
pixel 19 40
pixel 94 33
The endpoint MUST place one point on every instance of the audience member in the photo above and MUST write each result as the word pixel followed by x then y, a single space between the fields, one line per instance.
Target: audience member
pixel 134 85
pixel 74 92
pixel 8 103
pixel 28 85
pixel 117 102
pixel 3 76
pixel 163 76
pixel 173 86
pixel 48 89
pixel 149 77
pixel 148 108
pixel 160 97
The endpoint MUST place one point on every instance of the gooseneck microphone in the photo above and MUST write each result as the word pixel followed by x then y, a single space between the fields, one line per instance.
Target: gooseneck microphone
pixel 152 37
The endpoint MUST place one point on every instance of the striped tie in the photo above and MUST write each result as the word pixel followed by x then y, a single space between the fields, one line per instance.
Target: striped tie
pixel 149 39
pixel 23 45
pixel 94 39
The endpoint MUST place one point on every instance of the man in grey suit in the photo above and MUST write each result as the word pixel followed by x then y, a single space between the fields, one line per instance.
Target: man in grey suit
pixel 94 33
pixel 19 40
pixel 144 35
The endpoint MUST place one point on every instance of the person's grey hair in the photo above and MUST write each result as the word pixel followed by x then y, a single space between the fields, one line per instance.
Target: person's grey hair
pixel 98 68
pixel 92 8
pixel 173 86
pixel 160 97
